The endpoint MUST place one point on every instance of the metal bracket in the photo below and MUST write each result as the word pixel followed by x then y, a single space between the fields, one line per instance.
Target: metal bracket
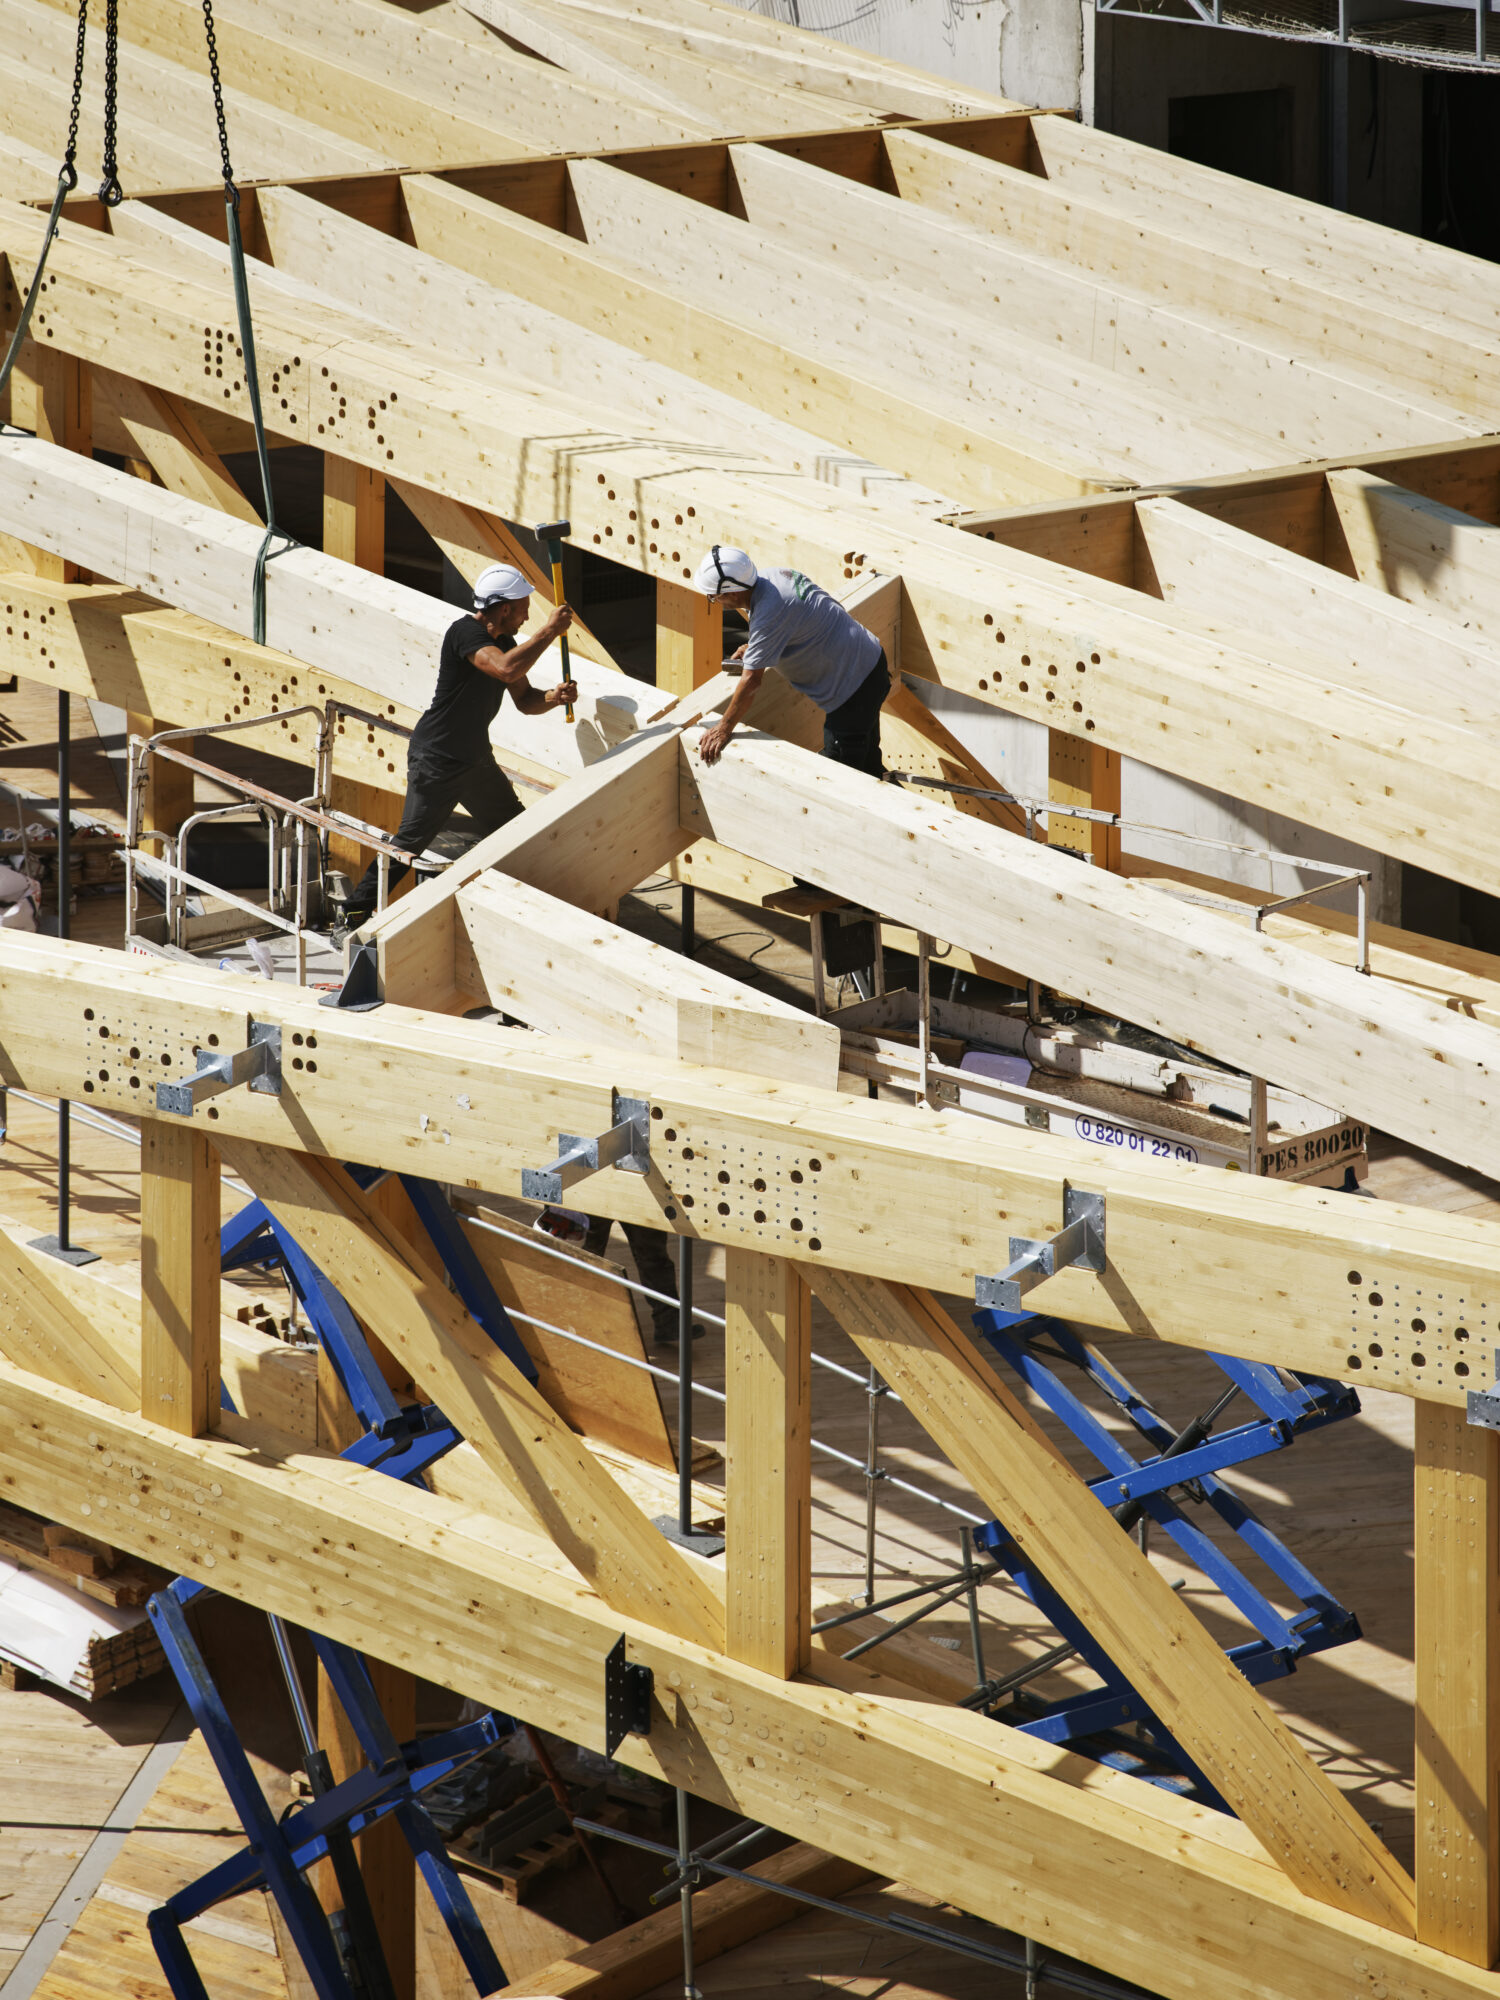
pixel 360 992
pixel 1078 1245
pixel 628 1688
pixel 1484 1404
pixel 626 1145
pixel 258 1065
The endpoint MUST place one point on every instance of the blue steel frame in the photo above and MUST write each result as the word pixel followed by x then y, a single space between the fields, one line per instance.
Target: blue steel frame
pixel 280 1851
pixel 400 1442
pixel 1290 1406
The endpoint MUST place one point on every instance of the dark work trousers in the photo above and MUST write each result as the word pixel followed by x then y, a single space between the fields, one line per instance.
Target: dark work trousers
pixel 851 732
pixel 654 1262
pixel 435 784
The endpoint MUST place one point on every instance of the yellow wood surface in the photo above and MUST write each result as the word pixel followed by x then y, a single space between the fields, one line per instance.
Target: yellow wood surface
pixel 607 1402
pixel 567 971
pixel 179 1277
pixel 768 1463
pixel 45 1328
pixel 164 432
pixel 1215 1260
pixel 689 637
pixel 1457 1495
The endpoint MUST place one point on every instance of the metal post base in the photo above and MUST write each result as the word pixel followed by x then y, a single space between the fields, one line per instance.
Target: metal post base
pixel 697 1539
pixel 52 1246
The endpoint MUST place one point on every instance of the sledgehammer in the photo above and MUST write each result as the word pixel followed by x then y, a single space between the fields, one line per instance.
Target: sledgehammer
pixel 552 532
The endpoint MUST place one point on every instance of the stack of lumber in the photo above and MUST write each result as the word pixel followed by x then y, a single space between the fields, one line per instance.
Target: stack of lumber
pixel 92 1649
pixel 64 1556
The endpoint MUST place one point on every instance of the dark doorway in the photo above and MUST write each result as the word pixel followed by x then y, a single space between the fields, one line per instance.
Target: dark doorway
pixel 1244 132
pixel 1460 170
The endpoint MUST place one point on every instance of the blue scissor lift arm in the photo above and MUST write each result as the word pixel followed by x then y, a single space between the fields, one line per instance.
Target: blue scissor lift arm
pixel 1181 1468
pixel 400 1441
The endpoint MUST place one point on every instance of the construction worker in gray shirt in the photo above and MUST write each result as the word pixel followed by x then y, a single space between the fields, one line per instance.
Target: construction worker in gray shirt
pixel 813 642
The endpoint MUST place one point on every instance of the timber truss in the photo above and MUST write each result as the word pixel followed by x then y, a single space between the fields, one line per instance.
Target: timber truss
pixel 1185 472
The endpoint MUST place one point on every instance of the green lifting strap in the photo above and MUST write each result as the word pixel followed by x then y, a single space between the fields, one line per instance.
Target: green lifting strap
pixel 266 553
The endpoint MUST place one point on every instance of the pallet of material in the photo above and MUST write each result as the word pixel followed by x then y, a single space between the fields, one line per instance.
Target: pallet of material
pixel 46 1629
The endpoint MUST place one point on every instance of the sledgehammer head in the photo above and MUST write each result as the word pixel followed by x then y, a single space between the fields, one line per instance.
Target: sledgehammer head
pixel 552 531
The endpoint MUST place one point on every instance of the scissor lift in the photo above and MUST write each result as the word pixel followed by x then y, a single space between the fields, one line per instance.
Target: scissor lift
pixel 343 1957
pixel 1180 1472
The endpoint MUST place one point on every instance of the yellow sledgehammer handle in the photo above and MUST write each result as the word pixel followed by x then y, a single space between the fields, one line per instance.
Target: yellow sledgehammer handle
pixel 552 532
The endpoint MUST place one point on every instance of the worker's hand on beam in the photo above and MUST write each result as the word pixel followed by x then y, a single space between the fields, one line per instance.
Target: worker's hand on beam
pixel 711 743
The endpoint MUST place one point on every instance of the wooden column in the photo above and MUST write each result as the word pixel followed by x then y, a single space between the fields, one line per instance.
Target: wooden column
pixel 169 788
pixel 768 1462
pixel 354 513
pixel 1457 1546
pixel 179 1277
pixel 61 395
pixel 354 531
pixel 385 1859
pixel 1080 773
pixel 689 637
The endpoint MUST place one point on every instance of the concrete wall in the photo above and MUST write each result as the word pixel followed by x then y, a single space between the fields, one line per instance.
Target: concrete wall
pixel 1014 751
pixel 1356 120
pixel 1031 50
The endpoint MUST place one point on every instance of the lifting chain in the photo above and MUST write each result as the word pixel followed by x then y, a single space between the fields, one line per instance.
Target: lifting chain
pixel 67 180
pixel 111 194
pixel 110 191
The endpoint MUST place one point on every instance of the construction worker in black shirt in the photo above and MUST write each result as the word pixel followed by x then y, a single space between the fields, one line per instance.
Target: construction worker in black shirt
pixel 449 761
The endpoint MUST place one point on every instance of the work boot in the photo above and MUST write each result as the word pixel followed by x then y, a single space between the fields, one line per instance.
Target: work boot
pixel 664 1326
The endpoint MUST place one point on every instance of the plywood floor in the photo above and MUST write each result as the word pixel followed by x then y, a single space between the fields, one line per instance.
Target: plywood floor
pixel 63 1765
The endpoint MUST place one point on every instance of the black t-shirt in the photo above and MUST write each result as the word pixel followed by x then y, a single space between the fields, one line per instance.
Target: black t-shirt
pixel 465 701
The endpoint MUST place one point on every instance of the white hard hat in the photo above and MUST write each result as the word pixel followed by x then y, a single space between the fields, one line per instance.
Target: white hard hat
pixel 724 569
pixel 498 583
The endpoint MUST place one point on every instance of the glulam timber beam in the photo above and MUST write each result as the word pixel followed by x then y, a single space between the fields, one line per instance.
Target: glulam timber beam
pixel 1441 367
pixel 1080 655
pixel 1366 636
pixel 767 1462
pixel 326 613
pixel 1125 948
pixel 46 1330
pixel 180 1364
pixel 1018 1832
pixel 1418 549
pixel 364 70
pixel 1456 1538
pixel 568 972
pixel 128 649
pixel 1299 1277
pixel 1279 403
pixel 606 288
pixel 591 842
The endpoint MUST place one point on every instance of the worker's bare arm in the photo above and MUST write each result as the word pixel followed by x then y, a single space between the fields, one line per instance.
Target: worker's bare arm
pixel 711 743
pixel 536 701
pixel 512 667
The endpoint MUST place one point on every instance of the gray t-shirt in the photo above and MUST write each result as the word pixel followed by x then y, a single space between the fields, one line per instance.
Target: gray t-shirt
pixel 820 649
